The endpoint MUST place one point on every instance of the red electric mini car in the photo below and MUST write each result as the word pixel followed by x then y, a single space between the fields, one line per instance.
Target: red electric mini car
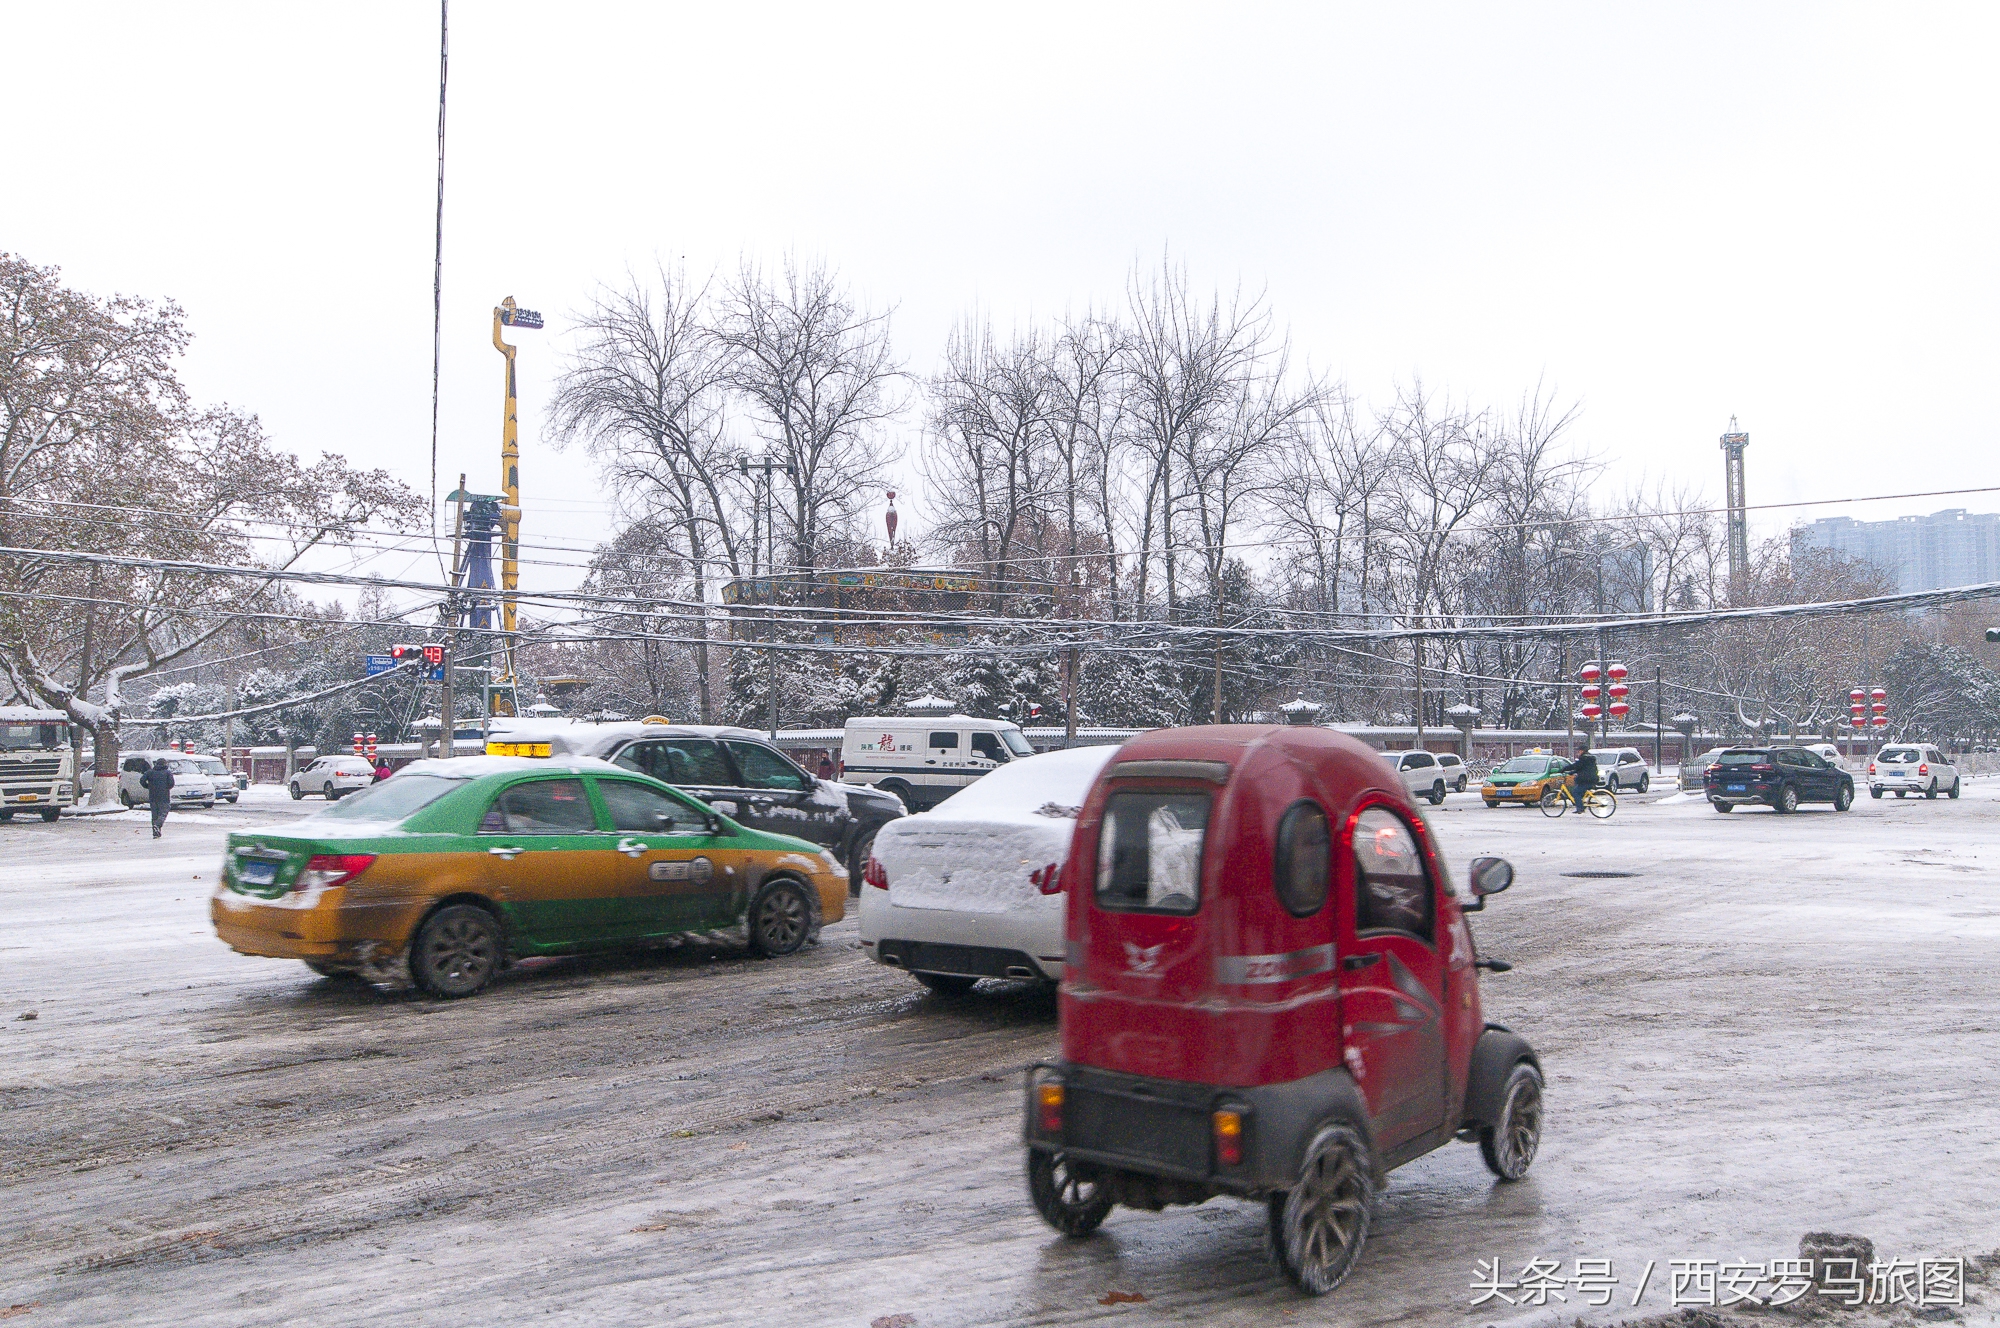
pixel 1270 993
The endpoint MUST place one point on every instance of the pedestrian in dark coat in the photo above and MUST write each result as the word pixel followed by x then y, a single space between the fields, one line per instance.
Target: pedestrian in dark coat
pixel 826 767
pixel 159 785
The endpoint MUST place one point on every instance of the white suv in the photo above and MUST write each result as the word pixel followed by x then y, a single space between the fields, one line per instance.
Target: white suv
pixel 1422 775
pixel 1622 768
pixel 1906 768
pixel 333 777
pixel 1455 773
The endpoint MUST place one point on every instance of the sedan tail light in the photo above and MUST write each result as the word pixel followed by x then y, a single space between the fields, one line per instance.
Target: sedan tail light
pixel 1047 879
pixel 1871 767
pixel 327 869
pixel 873 874
pixel 1923 768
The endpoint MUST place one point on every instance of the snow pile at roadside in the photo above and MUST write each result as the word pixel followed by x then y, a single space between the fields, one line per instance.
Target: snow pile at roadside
pixel 973 853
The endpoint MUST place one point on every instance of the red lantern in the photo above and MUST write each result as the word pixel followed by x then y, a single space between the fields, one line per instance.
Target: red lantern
pixel 1588 692
pixel 371 746
pixel 1881 707
pixel 1588 673
pixel 1881 721
pixel 1589 712
pixel 358 743
pixel 1857 696
pixel 1619 710
pixel 1617 689
pixel 1878 695
pixel 1616 671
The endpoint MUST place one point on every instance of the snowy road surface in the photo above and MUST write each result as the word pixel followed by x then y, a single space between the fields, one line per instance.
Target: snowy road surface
pixel 1775 1025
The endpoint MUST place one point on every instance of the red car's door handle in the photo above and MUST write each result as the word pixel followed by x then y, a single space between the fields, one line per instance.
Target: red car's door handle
pixel 1360 961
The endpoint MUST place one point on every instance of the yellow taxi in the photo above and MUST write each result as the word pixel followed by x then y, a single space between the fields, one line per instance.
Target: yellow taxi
pixel 1523 779
pixel 443 873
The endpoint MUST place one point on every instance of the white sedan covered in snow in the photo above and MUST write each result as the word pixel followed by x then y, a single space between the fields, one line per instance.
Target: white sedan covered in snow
pixel 967 890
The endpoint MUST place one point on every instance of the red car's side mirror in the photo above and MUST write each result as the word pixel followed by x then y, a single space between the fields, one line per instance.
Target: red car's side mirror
pixel 1489 876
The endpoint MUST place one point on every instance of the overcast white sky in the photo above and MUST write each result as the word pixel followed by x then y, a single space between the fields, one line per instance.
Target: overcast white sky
pixel 1786 213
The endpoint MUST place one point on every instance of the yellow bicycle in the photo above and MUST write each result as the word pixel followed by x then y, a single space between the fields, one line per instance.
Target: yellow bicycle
pixel 1600 802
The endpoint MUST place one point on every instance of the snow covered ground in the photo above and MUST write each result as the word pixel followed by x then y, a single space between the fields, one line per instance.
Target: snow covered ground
pixel 1774 1025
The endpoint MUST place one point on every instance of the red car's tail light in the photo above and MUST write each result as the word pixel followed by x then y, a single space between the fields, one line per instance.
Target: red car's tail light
pixel 328 869
pixel 1228 1137
pixel 1047 879
pixel 1048 1108
pixel 874 875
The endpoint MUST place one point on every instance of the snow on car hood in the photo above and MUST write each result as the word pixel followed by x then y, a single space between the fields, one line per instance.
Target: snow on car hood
pixel 973 852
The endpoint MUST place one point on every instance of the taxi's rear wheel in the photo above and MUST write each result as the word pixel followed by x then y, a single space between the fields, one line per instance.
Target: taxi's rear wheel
pixel 1509 1144
pixel 1072 1201
pixel 458 951
pixel 781 919
pixel 1319 1226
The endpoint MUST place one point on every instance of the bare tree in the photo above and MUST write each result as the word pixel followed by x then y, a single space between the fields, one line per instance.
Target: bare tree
pixel 819 377
pixel 645 391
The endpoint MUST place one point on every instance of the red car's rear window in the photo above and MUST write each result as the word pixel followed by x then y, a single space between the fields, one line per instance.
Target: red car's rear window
pixel 1149 851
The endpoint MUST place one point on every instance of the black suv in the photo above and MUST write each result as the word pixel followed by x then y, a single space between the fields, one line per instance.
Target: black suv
pixel 739 774
pixel 1780 777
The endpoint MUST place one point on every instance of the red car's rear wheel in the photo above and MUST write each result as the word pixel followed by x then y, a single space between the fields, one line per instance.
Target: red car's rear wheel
pixel 1074 1202
pixel 1319 1226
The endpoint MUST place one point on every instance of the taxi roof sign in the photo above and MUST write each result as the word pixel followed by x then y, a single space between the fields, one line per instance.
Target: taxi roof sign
pixel 517 748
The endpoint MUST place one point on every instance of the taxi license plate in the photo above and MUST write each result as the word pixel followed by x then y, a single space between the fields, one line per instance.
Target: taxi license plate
pixel 257 873
pixel 31 797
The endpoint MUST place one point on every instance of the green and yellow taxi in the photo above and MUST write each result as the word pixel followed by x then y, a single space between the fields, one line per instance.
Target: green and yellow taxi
pixel 441 874
pixel 1523 779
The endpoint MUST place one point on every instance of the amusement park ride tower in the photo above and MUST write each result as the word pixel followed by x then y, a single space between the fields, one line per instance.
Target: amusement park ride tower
pixel 1733 444
pixel 483 516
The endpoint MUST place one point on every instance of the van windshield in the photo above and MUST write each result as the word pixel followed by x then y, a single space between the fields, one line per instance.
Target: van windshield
pixel 1149 852
pixel 1016 743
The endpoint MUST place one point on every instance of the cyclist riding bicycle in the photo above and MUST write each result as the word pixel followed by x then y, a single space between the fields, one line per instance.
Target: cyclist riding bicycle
pixel 1583 777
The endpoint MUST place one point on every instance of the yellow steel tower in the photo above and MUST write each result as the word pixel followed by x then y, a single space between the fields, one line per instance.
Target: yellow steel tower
pixel 501 699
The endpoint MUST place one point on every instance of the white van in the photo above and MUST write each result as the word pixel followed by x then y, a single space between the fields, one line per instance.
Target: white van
pixel 923 761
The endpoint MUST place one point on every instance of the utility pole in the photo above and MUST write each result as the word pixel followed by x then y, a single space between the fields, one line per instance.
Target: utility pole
pixel 1070 665
pixel 1659 716
pixel 768 463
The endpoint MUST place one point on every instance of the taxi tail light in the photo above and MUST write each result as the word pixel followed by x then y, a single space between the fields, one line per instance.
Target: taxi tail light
pixel 329 869
pixel 873 873
pixel 1047 879
pixel 1228 1125
pixel 1048 1108
pixel 1871 767
pixel 1923 768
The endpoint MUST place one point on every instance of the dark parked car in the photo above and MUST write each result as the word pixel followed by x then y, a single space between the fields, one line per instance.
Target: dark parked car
pixel 1778 777
pixel 739 774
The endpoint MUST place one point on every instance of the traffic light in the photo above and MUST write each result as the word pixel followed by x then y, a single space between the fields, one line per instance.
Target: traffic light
pixel 401 653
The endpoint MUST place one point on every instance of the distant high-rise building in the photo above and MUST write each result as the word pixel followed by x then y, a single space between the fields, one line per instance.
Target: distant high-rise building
pixel 1949 548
